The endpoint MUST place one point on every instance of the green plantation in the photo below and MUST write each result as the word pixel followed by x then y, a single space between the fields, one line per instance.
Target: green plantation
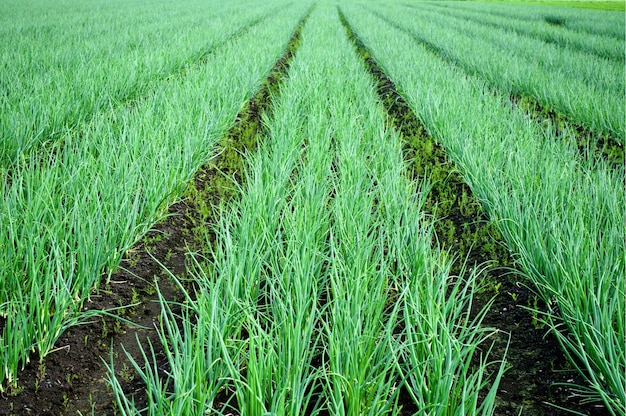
pixel 367 188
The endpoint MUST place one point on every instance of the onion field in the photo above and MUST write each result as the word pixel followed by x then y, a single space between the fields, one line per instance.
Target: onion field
pixel 347 207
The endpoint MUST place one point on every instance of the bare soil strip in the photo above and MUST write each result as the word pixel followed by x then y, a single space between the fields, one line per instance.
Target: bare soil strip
pixel 535 357
pixel 72 380
pixel 587 141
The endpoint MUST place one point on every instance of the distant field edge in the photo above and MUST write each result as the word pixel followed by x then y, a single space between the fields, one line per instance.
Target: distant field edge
pixel 609 5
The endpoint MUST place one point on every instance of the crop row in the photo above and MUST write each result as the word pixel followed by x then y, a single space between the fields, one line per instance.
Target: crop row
pixel 322 289
pixel 603 45
pixel 586 22
pixel 580 85
pixel 322 293
pixel 71 213
pixel 562 213
pixel 54 79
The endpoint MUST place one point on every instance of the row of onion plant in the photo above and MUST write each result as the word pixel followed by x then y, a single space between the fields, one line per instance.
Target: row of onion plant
pixel 580 85
pixel 583 21
pixel 551 29
pixel 70 216
pixel 562 213
pixel 53 79
pixel 322 293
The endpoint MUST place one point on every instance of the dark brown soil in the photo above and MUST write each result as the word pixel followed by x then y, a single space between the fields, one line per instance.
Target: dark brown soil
pixel 537 363
pixel 587 141
pixel 72 380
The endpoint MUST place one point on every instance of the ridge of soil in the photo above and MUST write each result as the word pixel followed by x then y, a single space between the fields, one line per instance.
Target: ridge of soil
pixel 73 379
pixel 533 384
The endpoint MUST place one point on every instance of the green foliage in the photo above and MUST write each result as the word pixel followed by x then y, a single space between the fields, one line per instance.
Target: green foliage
pixel 510 53
pixel 560 211
pixel 71 210
pixel 610 5
pixel 126 58
pixel 322 288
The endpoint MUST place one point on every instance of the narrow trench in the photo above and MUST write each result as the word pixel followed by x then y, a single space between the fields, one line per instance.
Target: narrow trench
pixel 587 141
pixel 72 380
pixel 463 230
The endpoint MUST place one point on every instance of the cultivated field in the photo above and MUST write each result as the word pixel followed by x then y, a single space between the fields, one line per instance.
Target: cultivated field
pixel 311 208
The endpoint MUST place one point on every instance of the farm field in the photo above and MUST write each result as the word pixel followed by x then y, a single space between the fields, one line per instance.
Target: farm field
pixel 580 4
pixel 311 208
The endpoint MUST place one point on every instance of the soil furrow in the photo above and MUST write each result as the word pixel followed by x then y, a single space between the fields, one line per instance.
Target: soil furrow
pixel 462 229
pixel 72 380
pixel 587 141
